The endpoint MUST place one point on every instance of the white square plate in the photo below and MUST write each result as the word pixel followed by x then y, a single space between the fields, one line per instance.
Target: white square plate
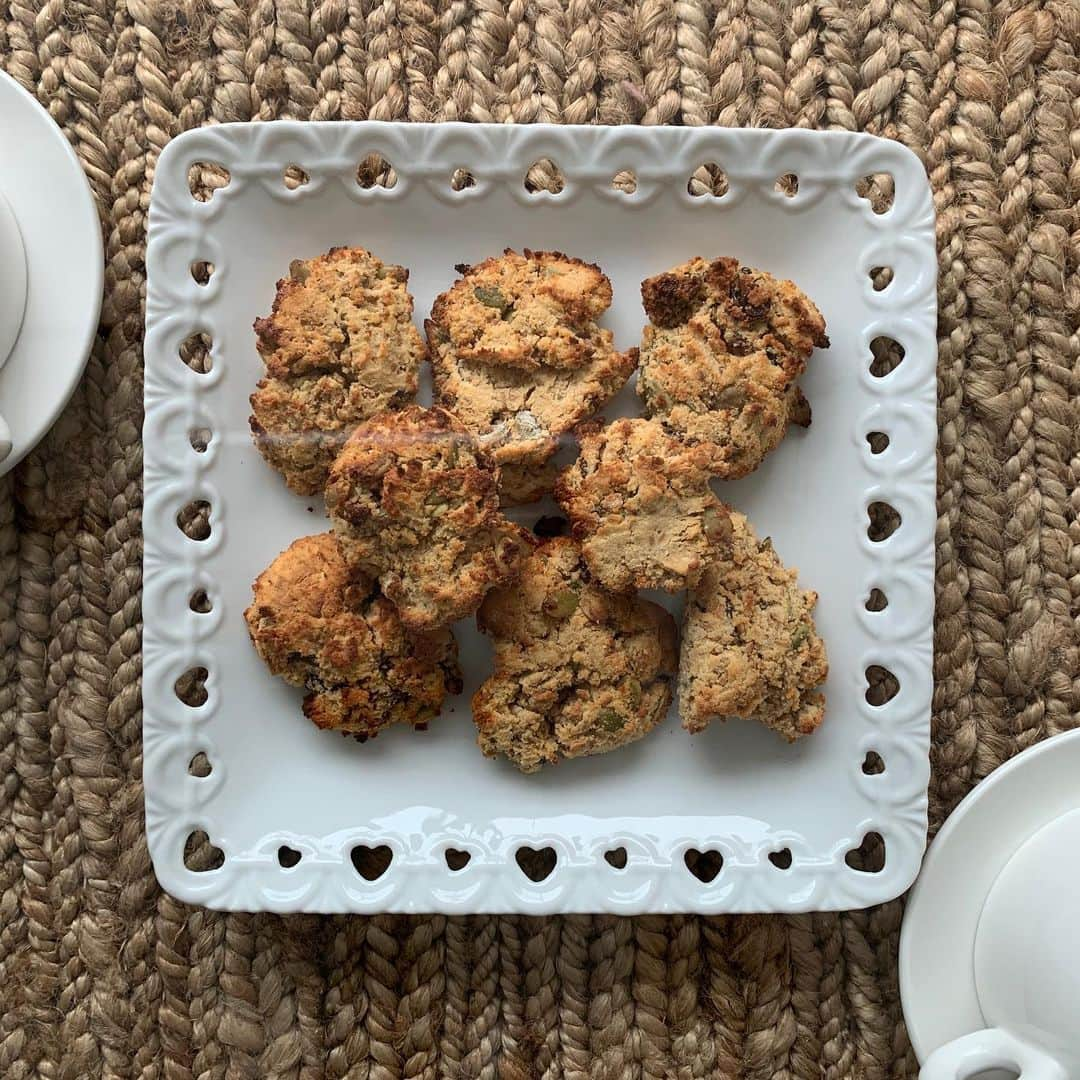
pixel 736 789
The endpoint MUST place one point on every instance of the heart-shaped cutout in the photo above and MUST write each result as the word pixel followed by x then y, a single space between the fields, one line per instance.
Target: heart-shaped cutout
pixel 371 862
pixel 457 860
pixel 704 865
pixel 200 854
pixel 536 865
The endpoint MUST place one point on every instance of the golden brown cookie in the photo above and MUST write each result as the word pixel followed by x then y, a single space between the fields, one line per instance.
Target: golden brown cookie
pixel 578 670
pixel 641 505
pixel 523 482
pixel 749 646
pixel 517 353
pixel 415 504
pixel 339 346
pixel 329 630
pixel 528 311
pixel 721 356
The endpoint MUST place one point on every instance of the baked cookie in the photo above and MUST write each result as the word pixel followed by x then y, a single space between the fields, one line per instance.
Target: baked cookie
pixel 749 644
pixel 339 346
pixel 517 353
pixel 578 670
pixel 320 626
pixel 641 505
pixel 721 356
pixel 523 482
pixel 415 504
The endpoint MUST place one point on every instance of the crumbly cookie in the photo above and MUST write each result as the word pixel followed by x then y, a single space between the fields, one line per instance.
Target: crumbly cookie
pixel 323 627
pixel 528 311
pixel 721 356
pixel 523 482
pixel 339 346
pixel 578 670
pixel 641 506
pixel 517 354
pixel 749 646
pixel 415 503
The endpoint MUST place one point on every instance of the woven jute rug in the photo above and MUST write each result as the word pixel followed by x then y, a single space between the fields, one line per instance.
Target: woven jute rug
pixel 101 974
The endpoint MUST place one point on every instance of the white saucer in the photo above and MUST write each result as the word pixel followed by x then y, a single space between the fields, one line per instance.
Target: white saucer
pixel 1024 941
pixel 44 185
pixel 12 280
pixel 937 942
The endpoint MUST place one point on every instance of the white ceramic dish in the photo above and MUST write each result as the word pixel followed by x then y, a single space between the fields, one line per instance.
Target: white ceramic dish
pixel 45 341
pixel 12 280
pixel 736 789
pixel 941 954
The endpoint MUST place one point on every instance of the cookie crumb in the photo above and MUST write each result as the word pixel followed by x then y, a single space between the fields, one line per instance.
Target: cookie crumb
pixel 550 526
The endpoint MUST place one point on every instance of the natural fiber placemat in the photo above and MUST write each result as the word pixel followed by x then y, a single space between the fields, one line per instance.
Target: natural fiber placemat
pixel 103 976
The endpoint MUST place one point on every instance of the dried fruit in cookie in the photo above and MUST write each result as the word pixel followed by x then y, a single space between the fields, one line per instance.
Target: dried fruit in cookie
pixel 415 504
pixel 721 355
pixel 339 347
pixel 750 647
pixel 641 506
pixel 578 669
pixel 518 356
pixel 320 626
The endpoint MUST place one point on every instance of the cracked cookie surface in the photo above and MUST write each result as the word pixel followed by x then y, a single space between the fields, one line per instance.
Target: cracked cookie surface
pixel 321 626
pixel 749 644
pixel 524 482
pixel 578 669
pixel 720 358
pixel 415 504
pixel 517 353
pixel 640 503
pixel 339 346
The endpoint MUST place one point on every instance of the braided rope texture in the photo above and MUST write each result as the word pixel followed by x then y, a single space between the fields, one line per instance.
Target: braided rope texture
pixel 101 974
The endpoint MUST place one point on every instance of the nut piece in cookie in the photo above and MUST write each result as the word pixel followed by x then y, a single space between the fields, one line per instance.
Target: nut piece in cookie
pixel 415 504
pixel 749 645
pixel 322 627
pixel 721 355
pixel 642 508
pixel 578 670
pixel 339 346
pixel 518 355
